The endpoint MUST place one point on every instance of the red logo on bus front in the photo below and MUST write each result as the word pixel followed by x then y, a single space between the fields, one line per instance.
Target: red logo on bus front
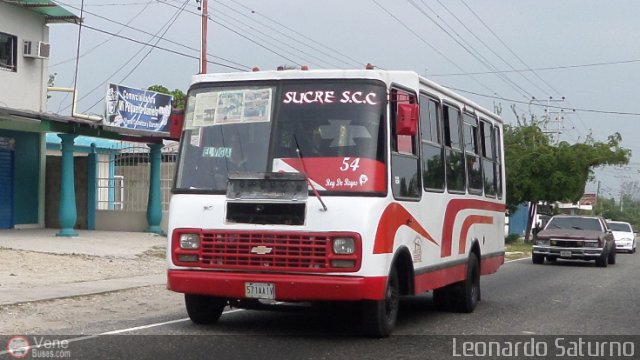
pixel 338 173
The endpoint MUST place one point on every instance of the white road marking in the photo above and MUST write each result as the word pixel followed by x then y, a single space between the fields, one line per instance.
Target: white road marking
pixel 121 331
pixel 524 258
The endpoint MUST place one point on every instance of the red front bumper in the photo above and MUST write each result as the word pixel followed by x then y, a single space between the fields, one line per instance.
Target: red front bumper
pixel 288 287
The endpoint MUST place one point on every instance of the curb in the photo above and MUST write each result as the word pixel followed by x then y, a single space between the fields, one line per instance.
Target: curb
pixel 61 291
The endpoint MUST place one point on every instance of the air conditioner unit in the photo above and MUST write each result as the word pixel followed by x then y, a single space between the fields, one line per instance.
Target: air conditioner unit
pixel 39 50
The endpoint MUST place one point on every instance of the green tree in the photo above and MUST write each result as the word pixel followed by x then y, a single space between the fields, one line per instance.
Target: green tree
pixel 178 95
pixel 539 171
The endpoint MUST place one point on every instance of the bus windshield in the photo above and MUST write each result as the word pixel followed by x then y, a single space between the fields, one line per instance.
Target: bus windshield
pixel 333 131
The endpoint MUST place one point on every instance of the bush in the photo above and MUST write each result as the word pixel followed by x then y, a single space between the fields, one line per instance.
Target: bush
pixel 511 238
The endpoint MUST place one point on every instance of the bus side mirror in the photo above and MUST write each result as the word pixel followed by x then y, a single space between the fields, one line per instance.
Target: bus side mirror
pixel 407 119
pixel 176 121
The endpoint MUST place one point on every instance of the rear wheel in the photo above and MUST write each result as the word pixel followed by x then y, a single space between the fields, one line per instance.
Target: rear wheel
pixel 537 258
pixel 204 309
pixel 467 292
pixel 379 316
pixel 442 298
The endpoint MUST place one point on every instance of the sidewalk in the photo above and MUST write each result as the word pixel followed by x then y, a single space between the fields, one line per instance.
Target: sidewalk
pixel 37 265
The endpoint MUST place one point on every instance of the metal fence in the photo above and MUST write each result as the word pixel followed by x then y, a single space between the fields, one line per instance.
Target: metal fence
pixel 123 178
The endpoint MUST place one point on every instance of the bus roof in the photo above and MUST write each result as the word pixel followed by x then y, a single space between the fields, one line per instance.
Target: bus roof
pixel 408 79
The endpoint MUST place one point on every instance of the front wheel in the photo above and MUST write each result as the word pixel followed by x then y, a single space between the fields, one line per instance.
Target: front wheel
pixel 379 316
pixel 537 258
pixel 612 256
pixel 204 309
pixel 602 261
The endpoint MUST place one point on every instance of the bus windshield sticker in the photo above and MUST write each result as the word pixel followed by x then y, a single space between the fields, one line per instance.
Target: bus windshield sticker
pixel 216 152
pixel 195 137
pixel 205 108
pixel 257 105
pixel 230 107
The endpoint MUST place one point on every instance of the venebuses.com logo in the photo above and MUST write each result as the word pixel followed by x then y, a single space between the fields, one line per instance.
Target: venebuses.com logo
pixel 18 347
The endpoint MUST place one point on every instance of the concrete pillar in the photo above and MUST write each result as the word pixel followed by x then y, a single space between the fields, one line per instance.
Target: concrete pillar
pixel 67 212
pixel 92 188
pixel 154 204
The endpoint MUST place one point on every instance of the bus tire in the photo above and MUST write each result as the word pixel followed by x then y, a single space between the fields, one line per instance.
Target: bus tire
pixel 442 298
pixel 468 291
pixel 203 309
pixel 379 316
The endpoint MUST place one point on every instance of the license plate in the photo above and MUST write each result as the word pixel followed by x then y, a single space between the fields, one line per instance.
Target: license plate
pixel 257 290
pixel 565 253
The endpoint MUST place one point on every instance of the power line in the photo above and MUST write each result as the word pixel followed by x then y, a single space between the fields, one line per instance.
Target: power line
pixel 166 27
pixel 468 48
pixel 262 35
pixel 66 95
pixel 119 4
pixel 107 40
pixel 239 34
pixel 154 36
pixel 506 46
pixel 429 44
pixel 306 44
pixel 298 33
pixel 561 67
pixel 544 105
pixel 485 44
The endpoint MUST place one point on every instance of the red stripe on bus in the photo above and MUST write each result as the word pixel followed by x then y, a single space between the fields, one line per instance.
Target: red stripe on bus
pixel 439 278
pixel 466 225
pixel 453 208
pixel 491 264
pixel 394 216
pixel 442 277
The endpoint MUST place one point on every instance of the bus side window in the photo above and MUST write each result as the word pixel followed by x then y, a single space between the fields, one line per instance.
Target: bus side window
pixel 405 179
pixel 497 138
pixel 454 163
pixel 472 153
pixel 488 158
pixel 431 143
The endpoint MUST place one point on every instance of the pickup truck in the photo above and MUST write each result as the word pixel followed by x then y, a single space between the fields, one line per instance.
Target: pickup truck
pixel 575 237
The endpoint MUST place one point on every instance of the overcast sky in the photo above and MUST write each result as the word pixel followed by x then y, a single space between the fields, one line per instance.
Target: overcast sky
pixel 491 51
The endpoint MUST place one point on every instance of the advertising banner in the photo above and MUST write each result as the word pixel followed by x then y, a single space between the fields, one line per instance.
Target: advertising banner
pixel 137 109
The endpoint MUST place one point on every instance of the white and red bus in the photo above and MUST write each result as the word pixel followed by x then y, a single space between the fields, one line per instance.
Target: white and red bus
pixel 355 186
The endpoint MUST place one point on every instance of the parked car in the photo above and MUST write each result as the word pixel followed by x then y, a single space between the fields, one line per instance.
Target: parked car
pixel 623 234
pixel 575 237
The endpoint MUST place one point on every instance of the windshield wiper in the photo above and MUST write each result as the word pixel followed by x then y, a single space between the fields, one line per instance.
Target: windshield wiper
pixel 304 172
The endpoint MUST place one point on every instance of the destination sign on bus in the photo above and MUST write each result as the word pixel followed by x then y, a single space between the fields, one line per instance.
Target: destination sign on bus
pixel 330 97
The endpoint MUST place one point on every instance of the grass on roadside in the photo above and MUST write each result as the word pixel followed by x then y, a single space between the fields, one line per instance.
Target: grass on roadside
pixel 517 250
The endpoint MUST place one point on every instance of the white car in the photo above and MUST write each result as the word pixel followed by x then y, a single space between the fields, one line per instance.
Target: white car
pixel 623 235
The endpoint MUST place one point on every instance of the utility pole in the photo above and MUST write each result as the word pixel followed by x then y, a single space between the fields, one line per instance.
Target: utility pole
pixel 204 11
pixel 548 113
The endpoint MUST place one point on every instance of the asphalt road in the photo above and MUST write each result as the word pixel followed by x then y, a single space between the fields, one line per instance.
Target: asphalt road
pixel 522 299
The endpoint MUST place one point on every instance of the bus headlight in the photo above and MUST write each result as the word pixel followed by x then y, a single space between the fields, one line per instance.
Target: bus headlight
pixel 189 241
pixel 344 246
